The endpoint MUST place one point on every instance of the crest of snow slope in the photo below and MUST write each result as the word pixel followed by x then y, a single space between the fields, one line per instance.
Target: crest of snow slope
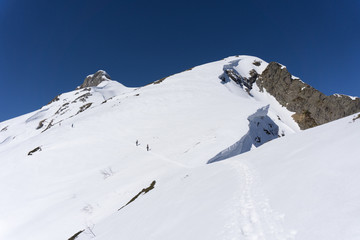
pixel 89 165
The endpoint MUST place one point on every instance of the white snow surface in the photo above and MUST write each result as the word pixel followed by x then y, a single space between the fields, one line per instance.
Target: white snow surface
pixel 300 186
pixel 342 95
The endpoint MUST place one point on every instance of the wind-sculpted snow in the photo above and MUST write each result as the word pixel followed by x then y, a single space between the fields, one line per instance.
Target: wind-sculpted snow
pixel 7 139
pixel 38 115
pixel 261 130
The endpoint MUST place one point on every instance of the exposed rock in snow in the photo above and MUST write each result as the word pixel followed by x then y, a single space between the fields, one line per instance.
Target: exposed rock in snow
pixel 311 106
pixel 244 80
pixel 356 117
pixel 94 80
pixel 34 150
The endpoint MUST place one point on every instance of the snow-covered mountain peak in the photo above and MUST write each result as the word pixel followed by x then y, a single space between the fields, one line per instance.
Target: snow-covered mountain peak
pixel 244 64
pixel 110 162
pixel 178 102
pixel 233 88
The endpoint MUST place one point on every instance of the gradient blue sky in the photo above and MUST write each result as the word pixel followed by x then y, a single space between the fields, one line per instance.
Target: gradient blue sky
pixel 48 47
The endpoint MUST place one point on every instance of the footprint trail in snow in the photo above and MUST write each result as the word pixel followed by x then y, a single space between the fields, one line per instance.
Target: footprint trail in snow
pixel 251 216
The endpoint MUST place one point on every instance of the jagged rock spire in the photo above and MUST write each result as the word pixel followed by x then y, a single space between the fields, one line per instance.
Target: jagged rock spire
pixel 95 79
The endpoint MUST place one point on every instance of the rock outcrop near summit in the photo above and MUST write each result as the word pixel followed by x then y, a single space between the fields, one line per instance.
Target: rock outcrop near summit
pixel 311 107
pixel 95 79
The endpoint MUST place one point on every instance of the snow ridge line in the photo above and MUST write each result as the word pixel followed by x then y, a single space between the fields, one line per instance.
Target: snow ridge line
pixel 251 217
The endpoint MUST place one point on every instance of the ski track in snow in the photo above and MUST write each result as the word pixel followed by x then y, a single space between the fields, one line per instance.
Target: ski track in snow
pixel 251 216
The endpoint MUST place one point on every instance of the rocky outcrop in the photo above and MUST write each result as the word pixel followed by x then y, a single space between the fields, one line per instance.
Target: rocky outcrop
pixel 95 79
pixel 143 191
pixel 230 73
pixel 34 150
pixel 311 107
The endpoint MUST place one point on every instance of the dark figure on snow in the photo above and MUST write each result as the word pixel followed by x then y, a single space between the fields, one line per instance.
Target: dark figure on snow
pixel 147 147
pixel 137 143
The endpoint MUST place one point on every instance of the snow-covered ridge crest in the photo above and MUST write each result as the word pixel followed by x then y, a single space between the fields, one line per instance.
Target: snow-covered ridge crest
pixel 68 167
pixel 98 89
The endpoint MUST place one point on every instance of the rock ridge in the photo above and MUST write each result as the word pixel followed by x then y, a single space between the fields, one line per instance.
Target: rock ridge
pixel 311 107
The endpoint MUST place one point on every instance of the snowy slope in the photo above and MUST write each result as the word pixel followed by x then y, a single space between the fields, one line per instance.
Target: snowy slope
pixel 312 178
pixel 300 187
pixel 193 105
pixel 84 164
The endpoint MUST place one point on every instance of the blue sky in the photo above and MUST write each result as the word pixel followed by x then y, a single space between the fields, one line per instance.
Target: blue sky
pixel 48 47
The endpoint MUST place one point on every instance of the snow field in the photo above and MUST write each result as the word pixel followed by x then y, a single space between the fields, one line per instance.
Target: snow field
pixel 88 167
pixel 311 177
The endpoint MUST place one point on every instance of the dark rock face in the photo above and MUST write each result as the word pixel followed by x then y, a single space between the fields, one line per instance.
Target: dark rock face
pixel 230 73
pixel 34 150
pixel 94 79
pixel 143 191
pixel 311 106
